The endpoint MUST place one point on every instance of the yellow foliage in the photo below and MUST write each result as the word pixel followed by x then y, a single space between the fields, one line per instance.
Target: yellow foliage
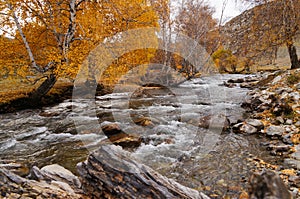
pixel 45 26
pixel 225 60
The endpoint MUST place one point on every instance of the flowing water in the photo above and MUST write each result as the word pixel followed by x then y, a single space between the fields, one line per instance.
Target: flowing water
pixel 174 145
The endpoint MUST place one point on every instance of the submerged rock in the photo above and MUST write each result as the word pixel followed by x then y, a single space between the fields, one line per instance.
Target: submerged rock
pixel 118 137
pixel 214 122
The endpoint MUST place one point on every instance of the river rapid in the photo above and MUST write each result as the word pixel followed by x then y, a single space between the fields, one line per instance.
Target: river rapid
pixel 212 159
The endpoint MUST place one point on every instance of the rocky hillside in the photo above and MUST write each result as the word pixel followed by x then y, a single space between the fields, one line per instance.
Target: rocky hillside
pixel 239 36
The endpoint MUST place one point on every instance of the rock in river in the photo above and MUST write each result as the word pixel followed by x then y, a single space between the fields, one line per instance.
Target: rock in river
pixel 118 137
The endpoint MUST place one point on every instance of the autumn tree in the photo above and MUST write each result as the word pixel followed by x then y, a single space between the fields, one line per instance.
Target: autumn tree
pixel 276 23
pixel 55 36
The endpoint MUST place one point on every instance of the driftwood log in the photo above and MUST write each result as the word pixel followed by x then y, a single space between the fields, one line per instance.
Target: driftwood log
pixel 110 172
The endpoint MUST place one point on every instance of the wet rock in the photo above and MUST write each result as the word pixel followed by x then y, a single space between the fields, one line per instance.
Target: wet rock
pixel 275 131
pixel 248 84
pixel 229 85
pixel 111 129
pixel 57 173
pixel 111 172
pixel 236 127
pixel 267 184
pixel 144 121
pixel 214 122
pixel 239 80
pixel 120 138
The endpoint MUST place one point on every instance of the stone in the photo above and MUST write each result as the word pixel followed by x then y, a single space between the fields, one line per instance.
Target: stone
pixel 280 120
pixel 57 173
pixel 214 122
pixel 275 131
pixel 239 80
pixel 267 184
pixel 17 168
pixel 14 186
pixel 248 129
pixel 111 129
pixel 144 121
pixel 295 181
pixel 229 85
pixel 297 86
pixel 289 122
pixel 236 127
pixel 117 137
pixel 256 123
pixel 276 79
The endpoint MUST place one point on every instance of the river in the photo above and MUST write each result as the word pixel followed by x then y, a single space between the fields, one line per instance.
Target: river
pixel 212 160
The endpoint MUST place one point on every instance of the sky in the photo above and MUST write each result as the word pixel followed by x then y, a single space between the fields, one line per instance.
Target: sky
pixel 232 8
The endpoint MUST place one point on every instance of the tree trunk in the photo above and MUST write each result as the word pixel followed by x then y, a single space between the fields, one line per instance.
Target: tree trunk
pixel 43 89
pixel 110 172
pixel 293 55
pixel 28 49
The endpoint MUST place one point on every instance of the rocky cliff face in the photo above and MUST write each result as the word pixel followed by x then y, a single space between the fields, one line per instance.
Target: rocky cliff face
pixel 248 35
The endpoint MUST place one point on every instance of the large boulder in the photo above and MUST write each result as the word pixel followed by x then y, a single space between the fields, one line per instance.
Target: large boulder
pixel 111 172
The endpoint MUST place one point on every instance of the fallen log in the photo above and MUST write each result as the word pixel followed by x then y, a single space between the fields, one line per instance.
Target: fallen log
pixel 110 172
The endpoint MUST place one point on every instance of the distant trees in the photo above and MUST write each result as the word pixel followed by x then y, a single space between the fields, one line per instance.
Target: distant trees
pixel 192 18
pixel 195 20
pixel 276 22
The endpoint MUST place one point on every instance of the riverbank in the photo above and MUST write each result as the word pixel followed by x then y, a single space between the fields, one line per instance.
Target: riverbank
pixel 273 106
pixel 14 95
